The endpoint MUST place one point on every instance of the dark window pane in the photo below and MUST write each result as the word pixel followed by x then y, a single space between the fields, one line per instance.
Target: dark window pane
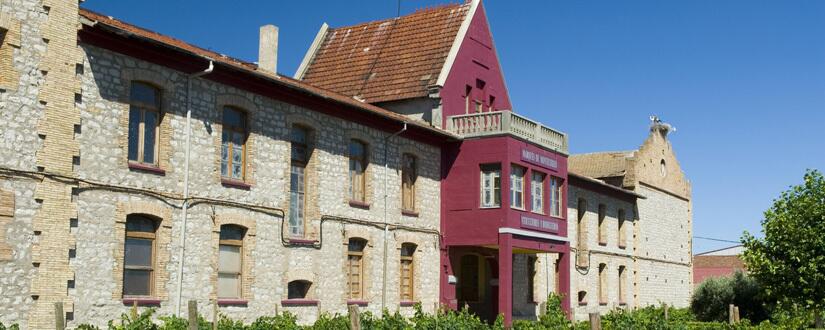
pixel 356 149
pixel 356 244
pixel 140 223
pixel 150 122
pixel 298 289
pixel 144 93
pixel 232 232
pixel 299 135
pixel 138 252
pixel 232 117
pixel 407 249
pixel 136 282
pixel 134 132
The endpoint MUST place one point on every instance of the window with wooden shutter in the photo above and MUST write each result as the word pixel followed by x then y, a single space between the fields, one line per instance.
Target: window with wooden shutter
pixel 357 171
pixel 622 280
pixel 355 268
pixel 602 284
pixel 139 256
pixel 233 144
pixel 144 120
pixel 622 235
pixel 230 261
pixel 602 225
pixel 409 174
pixel 407 272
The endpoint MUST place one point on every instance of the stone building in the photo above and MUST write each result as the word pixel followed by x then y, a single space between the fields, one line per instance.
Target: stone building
pixel 142 170
pixel 131 158
pixel 631 219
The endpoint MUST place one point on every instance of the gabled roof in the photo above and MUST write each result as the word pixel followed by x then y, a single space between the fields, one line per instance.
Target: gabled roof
pixel 249 70
pixel 601 164
pixel 386 60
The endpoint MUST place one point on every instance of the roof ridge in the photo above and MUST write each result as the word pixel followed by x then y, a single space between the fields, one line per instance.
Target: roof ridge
pixel 419 11
pixel 605 152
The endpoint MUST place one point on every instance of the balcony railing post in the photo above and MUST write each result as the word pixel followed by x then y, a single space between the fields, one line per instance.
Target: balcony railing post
pixel 505 121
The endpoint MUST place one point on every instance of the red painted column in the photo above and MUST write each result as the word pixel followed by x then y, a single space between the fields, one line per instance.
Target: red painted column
pixel 505 277
pixel 564 281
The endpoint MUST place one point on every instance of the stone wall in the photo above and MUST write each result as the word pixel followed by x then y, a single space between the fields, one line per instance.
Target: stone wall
pixel 664 241
pixel 274 263
pixel 586 278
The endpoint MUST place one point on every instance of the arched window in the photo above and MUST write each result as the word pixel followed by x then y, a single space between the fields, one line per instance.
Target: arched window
pixel 582 297
pixel 355 267
pixel 230 261
pixel 144 119
pixel 622 234
pixel 298 289
pixel 602 284
pixel 622 283
pixel 602 224
pixel 409 174
pixel 297 180
pixel 357 170
pixel 663 168
pixel 233 143
pixel 139 256
pixel 407 272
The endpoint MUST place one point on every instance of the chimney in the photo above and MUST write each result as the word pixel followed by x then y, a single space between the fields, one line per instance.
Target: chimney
pixel 268 49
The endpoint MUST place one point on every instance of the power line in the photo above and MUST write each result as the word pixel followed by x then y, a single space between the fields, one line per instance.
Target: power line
pixel 716 239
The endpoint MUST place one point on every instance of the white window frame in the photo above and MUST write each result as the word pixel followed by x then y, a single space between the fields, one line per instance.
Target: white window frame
pixel 537 192
pixel 556 190
pixel 517 186
pixel 489 175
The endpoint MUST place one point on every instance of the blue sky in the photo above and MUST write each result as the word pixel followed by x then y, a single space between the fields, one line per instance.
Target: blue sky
pixel 743 81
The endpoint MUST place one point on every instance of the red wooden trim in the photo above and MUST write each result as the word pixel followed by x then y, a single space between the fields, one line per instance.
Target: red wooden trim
pixel 407 303
pixel 299 302
pixel 409 213
pixel 232 302
pixel 146 167
pixel 359 204
pixel 141 301
pixel 299 241
pixel 235 184
pixel 361 303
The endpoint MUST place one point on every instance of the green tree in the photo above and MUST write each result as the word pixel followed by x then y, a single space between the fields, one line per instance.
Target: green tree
pixel 789 262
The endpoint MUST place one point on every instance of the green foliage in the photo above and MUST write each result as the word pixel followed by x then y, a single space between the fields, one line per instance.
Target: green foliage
pixel 327 322
pixel 285 321
pixel 711 299
pixel 11 327
pixel 789 262
pixel 225 323
pixel 554 317
pixel 135 321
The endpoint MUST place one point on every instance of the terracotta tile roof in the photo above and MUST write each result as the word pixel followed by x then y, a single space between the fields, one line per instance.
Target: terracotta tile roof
pixel 386 60
pixel 718 262
pixel 601 164
pixel 251 68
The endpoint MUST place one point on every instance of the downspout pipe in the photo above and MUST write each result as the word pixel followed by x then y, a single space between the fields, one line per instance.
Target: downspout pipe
pixel 386 220
pixel 185 207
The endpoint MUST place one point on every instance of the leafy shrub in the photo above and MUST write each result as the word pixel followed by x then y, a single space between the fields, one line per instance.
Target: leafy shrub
pixel 11 327
pixel 711 299
pixel 283 321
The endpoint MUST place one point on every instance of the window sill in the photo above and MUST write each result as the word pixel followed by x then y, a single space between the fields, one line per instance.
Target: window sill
pixel 622 303
pixel 518 208
pixel 490 207
pixel 299 302
pixel 360 303
pixel 582 304
pixel 146 168
pixel 622 247
pixel 141 301
pixel 232 302
pixel 300 241
pixel 602 303
pixel 602 243
pixel 407 303
pixel 235 184
pixel 359 204
pixel 409 213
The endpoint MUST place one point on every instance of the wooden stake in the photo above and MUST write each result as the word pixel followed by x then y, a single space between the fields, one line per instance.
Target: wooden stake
pixel 667 316
pixel 731 319
pixel 736 314
pixel 215 316
pixel 134 310
pixel 354 317
pixel 193 315
pixel 59 322
pixel 595 321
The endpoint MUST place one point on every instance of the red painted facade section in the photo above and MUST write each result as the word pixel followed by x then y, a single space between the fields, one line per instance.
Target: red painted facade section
pixel 468 228
pixel 476 69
